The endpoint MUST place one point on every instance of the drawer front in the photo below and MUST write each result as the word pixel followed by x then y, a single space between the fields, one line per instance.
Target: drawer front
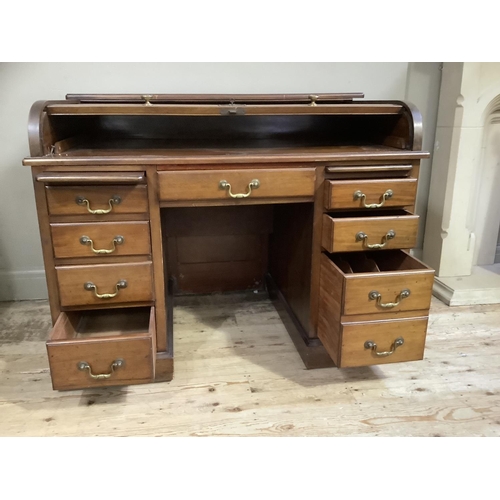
pixel 245 184
pixel 99 239
pixel 105 200
pixel 351 234
pixel 380 342
pixel 388 292
pixel 109 357
pixel 104 284
pixel 370 193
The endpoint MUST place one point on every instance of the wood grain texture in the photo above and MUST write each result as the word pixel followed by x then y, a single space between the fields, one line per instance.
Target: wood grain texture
pixel 331 293
pixel 339 233
pixel 158 257
pixel 389 285
pixel 212 277
pixel 340 194
pixel 99 340
pixel 237 373
pixel 35 128
pixel 216 157
pixel 383 333
pixel 46 240
pixel 396 271
pixel 217 248
pixel 61 200
pixel 105 276
pixel 204 185
pixel 103 109
pixel 316 252
pixel 66 239
pixel 290 251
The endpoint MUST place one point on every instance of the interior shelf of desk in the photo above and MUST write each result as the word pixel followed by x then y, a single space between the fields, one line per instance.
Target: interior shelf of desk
pixel 124 135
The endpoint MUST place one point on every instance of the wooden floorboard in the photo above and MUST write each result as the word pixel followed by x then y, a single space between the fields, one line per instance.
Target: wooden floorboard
pixel 237 373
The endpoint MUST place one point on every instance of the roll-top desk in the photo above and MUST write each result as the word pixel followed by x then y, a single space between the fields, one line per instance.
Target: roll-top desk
pixel 310 197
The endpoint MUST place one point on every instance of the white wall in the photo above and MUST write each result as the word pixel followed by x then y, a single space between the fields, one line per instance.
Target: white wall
pixel 21 84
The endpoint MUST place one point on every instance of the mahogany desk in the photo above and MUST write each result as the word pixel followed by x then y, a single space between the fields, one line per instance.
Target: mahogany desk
pixel 310 197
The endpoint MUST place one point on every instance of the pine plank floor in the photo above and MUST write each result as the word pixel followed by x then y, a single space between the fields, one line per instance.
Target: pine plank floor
pixel 237 373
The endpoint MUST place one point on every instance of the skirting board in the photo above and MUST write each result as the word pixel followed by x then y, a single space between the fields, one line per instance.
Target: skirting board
pixel 465 296
pixel 23 285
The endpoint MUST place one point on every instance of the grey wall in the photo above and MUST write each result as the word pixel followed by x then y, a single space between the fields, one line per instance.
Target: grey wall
pixel 422 89
pixel 21 84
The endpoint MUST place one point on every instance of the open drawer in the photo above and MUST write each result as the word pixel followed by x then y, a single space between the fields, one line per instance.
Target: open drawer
pixel 376 282
pixel 347 232
pixel 376 342
pixel 102 348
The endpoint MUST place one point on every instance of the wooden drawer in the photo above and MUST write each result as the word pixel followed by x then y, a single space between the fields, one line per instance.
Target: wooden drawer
pixel 78 285
pixel 116 344
pixel 208 184
pixel 349 194
pixel 99 239
pixel 348 233
pixel 118 199
pixel 362 283
pixel 377 342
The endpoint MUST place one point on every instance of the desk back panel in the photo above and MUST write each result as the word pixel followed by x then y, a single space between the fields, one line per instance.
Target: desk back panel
pixel 217 249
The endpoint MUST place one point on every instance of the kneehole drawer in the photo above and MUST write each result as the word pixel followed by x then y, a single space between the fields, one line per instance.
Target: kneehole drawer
pixel 240 185
pixel 104 284
pixel 348 233
pixel 102 348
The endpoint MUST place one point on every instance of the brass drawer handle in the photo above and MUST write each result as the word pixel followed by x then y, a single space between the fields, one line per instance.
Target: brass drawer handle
pixel 369 344
pixel 115 200
pixel 91 287
pixel 374 295
pixel 117 240
pixel 254 184
pixel 391 234
pixel 117 363
pixel 359 195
